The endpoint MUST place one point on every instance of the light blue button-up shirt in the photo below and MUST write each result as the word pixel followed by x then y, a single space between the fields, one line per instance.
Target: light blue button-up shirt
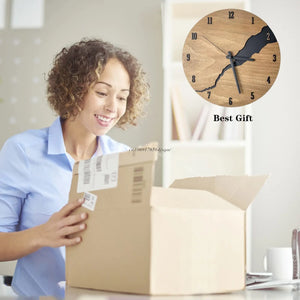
pixel 35 179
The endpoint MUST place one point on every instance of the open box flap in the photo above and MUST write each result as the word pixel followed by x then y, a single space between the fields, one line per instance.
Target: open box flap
pixel 172 198
pixel 238 190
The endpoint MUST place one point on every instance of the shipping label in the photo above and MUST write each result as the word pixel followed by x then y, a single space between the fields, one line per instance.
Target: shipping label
pixel 98 173
pixel 89 201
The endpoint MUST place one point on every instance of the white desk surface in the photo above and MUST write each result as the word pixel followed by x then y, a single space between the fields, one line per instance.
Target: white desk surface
pixel 286 293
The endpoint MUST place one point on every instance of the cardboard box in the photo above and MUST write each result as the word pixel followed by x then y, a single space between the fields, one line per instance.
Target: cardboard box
pixel 186 239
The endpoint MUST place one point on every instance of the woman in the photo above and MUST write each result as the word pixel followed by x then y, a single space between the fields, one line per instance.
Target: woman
pixel 93 86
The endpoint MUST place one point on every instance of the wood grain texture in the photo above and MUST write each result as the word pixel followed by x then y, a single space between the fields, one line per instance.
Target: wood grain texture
pixel 207 68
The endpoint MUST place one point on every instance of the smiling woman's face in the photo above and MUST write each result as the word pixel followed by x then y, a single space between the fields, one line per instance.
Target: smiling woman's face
pixel 106 100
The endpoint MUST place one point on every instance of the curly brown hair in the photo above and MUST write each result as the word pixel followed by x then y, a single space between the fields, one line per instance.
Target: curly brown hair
pixel 78 67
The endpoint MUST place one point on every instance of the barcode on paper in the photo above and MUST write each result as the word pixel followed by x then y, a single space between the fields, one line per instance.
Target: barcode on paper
pixel 138 184
pixel 87 172
pixel 89 201
pixel 106 178
pixel 99 164
pixel 98 173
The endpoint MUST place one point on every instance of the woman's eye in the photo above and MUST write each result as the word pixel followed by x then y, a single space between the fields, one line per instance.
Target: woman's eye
pixel 101 94
pixel 123 98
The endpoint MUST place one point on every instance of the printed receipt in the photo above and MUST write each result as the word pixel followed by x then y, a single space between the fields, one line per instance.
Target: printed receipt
pixel 98 173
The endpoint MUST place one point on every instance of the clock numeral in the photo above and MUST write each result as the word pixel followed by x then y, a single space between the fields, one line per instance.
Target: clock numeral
pixel 193 78
pixel 230 101
pixel 231 14
pixel 208 94
pixel 188 57
pixel 274 57
pixel 269 80
pixel 252 96
pixel 209 20
pixel 252 20
pixel 268 36
pixel 194 35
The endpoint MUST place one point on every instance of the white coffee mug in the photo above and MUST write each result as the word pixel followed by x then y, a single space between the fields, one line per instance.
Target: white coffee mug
pixel 279 262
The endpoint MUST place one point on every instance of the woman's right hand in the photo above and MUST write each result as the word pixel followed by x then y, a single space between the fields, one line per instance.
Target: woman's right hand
pixel 55 232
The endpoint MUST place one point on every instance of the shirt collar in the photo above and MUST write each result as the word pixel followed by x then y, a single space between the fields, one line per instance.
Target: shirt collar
pixel 56 143
pixel 99 147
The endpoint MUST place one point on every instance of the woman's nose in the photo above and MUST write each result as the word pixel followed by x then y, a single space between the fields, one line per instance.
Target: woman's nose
pixel 110 104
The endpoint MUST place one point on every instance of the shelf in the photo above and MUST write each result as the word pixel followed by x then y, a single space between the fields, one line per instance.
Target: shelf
pixel 217 154
pixel 204 147
pixel 208 160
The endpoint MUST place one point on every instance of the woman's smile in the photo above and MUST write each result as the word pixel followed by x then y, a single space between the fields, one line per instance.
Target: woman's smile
pixel 104 120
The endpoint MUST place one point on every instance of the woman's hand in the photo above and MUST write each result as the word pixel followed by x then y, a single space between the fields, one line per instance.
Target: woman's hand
pixel 55 232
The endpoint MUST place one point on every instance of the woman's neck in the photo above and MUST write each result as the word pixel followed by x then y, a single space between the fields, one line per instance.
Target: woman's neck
pixel 79 143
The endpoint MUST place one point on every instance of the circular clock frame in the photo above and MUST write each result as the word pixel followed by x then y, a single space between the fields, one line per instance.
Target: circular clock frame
pixel 231 57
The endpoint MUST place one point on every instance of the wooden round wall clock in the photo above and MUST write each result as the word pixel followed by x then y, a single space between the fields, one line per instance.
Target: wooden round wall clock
pixel 231 57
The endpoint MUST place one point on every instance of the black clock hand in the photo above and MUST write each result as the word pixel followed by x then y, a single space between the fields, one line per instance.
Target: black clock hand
pixel 242 58
pixel 233 69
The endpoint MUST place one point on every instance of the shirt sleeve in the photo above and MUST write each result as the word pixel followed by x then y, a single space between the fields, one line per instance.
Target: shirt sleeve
pixel 14 181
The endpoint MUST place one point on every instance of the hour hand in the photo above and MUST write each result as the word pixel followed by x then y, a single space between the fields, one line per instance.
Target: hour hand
pixel 242 58
pixel 230 57
pixel 237 57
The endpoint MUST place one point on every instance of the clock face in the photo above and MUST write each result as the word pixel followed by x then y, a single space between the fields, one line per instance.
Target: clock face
pixel 231 57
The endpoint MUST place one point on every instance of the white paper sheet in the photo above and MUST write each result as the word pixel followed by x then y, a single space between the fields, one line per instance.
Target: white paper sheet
pixel 2 13
pixel 27 14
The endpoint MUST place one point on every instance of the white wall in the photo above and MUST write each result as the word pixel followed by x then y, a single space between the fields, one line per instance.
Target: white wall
pixel 276 138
